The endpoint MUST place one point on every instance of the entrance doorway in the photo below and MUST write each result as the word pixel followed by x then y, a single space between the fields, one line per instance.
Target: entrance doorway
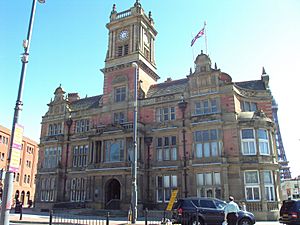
pixel 112 194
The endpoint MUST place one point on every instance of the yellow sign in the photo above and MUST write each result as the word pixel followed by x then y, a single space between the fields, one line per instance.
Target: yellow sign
pixel 16 148
pixel 172 200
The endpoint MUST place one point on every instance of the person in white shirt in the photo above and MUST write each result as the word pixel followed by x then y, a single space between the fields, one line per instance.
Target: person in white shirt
pixel 231 212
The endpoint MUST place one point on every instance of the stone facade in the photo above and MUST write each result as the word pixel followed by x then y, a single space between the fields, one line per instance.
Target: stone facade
pixel 24 179
pixel 204 135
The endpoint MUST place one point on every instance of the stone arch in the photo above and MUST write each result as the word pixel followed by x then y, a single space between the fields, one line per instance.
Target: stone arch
pixel 112 194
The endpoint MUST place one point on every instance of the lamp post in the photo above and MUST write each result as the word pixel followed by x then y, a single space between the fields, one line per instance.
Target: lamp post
pixel 8 182
pixel 134 161
pixel 69 124
pixel 148 141
pixel 182 105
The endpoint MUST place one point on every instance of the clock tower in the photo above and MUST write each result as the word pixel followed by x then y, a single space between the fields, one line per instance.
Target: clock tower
pixel 131 39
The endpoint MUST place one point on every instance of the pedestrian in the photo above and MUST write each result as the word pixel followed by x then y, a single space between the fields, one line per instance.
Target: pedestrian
pixel 21 213
pixel 231 212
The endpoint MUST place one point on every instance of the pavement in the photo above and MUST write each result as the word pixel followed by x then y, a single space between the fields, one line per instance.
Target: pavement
pixel 31 217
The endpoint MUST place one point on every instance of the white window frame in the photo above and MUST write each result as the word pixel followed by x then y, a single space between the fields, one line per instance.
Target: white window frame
pixel 248 142
pixel 252 186
pixel 269 186
pixel 264 142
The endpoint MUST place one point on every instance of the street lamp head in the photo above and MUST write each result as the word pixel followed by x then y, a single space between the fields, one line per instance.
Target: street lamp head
pixel 42 1
pixel 135 64
pixel 69 122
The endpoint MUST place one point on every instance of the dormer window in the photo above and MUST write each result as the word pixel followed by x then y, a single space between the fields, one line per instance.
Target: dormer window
pixel 248 106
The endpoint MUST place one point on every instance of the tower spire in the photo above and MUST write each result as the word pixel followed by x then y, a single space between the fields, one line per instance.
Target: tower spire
pixel 263 70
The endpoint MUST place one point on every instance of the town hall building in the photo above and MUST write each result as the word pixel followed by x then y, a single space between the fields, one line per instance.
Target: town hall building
pixel 204 134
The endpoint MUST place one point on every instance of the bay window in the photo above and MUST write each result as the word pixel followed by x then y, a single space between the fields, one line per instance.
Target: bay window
pixel 269 185
pixel 248 142
pixel 252 189
pixel 263 142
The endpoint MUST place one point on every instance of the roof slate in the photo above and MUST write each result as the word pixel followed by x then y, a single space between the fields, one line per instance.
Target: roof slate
pixel 86 103
pixel 252 84
pixel 169 87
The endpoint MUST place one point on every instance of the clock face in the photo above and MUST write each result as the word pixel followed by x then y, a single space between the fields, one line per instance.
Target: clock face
pixel 123 35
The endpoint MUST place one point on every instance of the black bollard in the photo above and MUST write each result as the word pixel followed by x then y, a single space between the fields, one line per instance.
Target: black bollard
pixel 107 218
pixel 146 216
pixel 50 218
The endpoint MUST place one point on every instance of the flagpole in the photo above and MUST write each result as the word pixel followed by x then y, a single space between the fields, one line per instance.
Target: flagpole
pixel 205 37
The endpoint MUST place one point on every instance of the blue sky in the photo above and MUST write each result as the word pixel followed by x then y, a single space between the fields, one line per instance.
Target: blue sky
pixel 69 44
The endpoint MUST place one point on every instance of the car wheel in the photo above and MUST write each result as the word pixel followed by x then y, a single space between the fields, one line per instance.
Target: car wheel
pixel 245 221
pixel 194 222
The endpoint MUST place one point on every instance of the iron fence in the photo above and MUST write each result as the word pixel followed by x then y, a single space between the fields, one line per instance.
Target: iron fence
pixel 68 219
pixel 147 218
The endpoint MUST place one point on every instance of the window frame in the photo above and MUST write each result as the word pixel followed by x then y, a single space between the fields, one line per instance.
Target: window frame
pixel 206 106
pixel 248 141
pixel 168 184
pixel 214 187
pixel 120 94
pixel 166 114
pixel 166 148
pixel 252 186
pixel 207 143
pixel 263 141
pixel 269 186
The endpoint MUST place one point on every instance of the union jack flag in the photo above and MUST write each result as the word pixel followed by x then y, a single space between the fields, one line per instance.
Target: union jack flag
pixel 200 33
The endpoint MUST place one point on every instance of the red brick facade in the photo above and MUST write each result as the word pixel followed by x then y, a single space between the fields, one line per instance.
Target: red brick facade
pixel 24 179
pixel 206 130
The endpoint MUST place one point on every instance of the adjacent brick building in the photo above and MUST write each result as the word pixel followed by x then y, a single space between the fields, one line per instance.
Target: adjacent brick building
pixel 204 134
pixel 24 179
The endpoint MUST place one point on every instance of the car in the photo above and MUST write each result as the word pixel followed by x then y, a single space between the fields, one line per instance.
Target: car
pixel 290 212
pixel 202 210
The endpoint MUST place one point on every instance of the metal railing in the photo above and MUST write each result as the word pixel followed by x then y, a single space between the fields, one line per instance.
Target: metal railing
pixel 67 219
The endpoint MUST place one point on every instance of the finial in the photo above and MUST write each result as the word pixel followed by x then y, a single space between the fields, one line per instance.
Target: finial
pixel 201 52
pixel 137 3
pixel 59 85
pixel 263 71
pixel 191 70
pixel 150 15
pixel 216 66
pixel 114 8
